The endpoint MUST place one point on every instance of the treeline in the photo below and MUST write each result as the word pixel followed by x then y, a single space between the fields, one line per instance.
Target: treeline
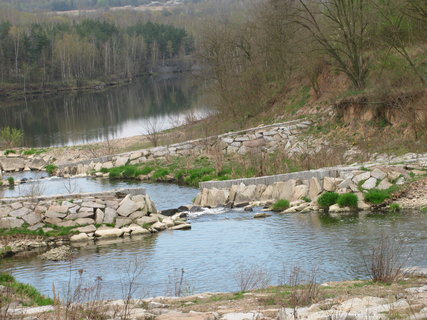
pixel 49 51
pixel 66 5
pixel 279 45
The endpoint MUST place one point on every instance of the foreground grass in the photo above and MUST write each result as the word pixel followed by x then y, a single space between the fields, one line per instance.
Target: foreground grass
pixel 56 232
pixel 25 292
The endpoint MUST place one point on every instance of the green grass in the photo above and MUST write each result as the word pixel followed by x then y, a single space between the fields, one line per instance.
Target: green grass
pixel 33 152
pixel 9 151
pixel 24 290
pixel 50 168
pixel 11 181
pixel 56 232
pixel 394 207
pixel 327 199
pixel 376 196
pixel 280 205
pixel 347 200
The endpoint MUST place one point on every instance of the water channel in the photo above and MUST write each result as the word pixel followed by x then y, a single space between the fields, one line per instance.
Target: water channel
pixel 117 112
pixel 223 242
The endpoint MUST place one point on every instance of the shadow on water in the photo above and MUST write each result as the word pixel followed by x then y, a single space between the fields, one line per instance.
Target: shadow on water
pixel 112 113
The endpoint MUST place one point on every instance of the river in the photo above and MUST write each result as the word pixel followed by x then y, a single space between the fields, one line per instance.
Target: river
pixel 123 111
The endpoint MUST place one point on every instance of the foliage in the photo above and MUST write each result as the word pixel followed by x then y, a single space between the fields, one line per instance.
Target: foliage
pixel 280 205
pixel 24 290
pixel 50 168
pixel 327 199
pixel 6 152
pixel 56 232
pixel 160 173
pixel 11 181
pixel 377 196
pixel 33 151
pixel 394 207
pixel 11 137
pixel 347 200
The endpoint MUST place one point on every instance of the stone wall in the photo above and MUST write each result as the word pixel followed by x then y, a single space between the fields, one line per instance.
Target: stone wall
pixel 267 138
pixel 129 210
pixel 304 187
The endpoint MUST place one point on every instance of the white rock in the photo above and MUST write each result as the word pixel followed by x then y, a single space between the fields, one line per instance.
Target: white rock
pixel 361 177
pixel 378 174
pixel 371 183
pixel 108 233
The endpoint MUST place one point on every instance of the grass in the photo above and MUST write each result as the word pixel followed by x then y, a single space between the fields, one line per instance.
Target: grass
pixel 327 199
pixel 56 232
pixel 50 168
pixel 394 207
pixel 33 152
pixel 11 181
pixel 347 200
pixel 24 290
pixel 376 196
pixel 280 205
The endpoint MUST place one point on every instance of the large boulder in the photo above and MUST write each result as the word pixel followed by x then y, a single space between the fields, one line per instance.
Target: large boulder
pixel 10 222
pixel 300 192
pixel 109 215
pixel 217 197
pixel 20 212
pixel 127 207
pixel 32 218
pixel 284 189
pixel 12 164
pixel 371 183
pixel 315 188
pixel 36 164
pixel 246 194
pixel 267 195
pixel 108 233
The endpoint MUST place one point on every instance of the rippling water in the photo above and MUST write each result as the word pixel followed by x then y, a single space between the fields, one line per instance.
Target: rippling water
pixel 219 245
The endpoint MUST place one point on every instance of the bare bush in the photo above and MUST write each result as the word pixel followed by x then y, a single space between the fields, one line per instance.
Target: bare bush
pixel 251 278
pixel 386 260
pixel 305 289
pixel 152 130
pixel 178 286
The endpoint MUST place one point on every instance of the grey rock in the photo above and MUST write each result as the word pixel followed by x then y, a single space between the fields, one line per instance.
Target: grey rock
pixel 87 229
pixel 10 222
pixel 83 221
pixel 127 207
pixel 109 215
pixel 20 212
pixel 99 216
pixel 12 164
pixel 120 222
pixel 371 183
pixel 32 218
pixel 378 174
pixel 108 233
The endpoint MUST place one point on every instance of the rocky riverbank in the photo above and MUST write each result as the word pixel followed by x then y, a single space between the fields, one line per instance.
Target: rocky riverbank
pixel 64 219
pixel 358 300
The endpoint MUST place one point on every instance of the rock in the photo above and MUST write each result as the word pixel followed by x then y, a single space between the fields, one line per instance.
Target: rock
pixel 242 316
pixel 146 220
pixel 169 212
pixel 32 218
pixel 384 184
pixel 337 208
pixel 36 164
pixel 58 209
pixel 55 215
pixel 67 223
pixel 52 221
pixel 300 192
pixel 4 211
pixel 83 221
pixel 127 207
pixel 120 222
pixel 20 212
pixel 217 197
pixel 261 215
pixel 185 226
pixel 16 205
pixel 99 216
pixel 330 184
pixel 10 223
pixel 267 195
pixel 36 227
pixel 79 237
pixel 362 205
pixel 57 254
pixel 378 174
pixel 138 230
pixel 314 188
pixel 371 183
pixel 245 194
pixel 159 226
pixel 91 204
pixel 12 164
pixel 108 233
pixel 109 215
pixel 88 229
pixel 284 190
pixel 361 177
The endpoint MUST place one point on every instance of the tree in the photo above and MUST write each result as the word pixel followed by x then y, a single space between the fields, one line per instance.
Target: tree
pixel 340 27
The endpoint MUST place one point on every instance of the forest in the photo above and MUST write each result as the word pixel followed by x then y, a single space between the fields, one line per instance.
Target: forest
pixel 49 50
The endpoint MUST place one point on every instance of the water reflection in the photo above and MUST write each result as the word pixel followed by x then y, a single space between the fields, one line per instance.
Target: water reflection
pixel 113 113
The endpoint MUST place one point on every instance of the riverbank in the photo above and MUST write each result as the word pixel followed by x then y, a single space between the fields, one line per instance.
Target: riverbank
pixel 357 299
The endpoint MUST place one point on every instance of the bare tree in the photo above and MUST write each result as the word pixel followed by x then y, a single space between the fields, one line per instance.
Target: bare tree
pixel 152 130
pixel 340 27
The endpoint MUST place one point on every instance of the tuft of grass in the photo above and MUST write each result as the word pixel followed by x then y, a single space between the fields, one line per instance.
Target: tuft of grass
pixel 56 232
pixel 347 200
pixel 327 199
pixel 9 151
pixel 394 207
pixel 11 181
pixel 50 168
pixel 160 173
pixel 376 196
pixel 280 205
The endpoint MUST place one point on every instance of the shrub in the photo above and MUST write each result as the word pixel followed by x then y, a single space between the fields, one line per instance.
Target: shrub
pixel 160 173
pixel 129 171
pixel 306 199
pixel 11 137
pixel 104 170
pixel 376 196
pixel 115 172
pixel 9 151
pixel 327 199
pixel 146 170
pixel 347 200
pixel 50 168
pixel 394 207
pixel 280 205
pixel 11 181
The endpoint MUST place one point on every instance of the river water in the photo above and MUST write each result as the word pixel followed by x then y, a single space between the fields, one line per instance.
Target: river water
pixel 221 245
pixel 69 119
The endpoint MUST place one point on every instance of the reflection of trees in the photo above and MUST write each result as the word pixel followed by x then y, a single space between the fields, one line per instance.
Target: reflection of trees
pixel 97 115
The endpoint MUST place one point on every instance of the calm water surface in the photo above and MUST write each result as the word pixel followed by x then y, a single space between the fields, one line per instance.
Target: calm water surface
pixel 219 245
pixel 116 112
